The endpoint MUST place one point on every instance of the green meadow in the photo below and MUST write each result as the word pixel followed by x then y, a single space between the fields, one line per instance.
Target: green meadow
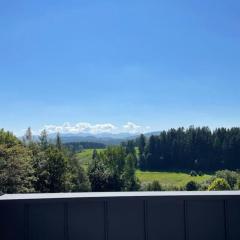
pixel 177 179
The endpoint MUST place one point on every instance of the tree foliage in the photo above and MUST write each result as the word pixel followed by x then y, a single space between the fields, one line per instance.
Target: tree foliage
pixel 113 170
pixel 198 149
pixel 219 184
pixel 231 177
pixel 16 171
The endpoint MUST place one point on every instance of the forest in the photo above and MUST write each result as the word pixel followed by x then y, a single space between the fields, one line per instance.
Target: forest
pixel 197 149
pixel 46 166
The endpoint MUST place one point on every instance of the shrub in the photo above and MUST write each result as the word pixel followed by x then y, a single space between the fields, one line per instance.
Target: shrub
pixel 238 185
pixel 192 186
pixel 193 173
pixel 204 186
pixel 173 188
pixel 219 184
pixel 154 186
pixel 230 176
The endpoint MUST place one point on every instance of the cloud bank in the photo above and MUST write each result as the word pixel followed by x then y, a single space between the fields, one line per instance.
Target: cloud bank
pixel 88 128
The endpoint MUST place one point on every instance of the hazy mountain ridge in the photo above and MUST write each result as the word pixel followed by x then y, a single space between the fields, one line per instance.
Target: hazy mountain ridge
pixel 104 138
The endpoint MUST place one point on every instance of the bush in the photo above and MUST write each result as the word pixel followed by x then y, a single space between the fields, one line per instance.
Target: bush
pixel 204 186
pixel 230 176
pixel 192 186
pixel 238 185
pixel 219 184
pixel 173 188
pixel 154 186
pixel 200 173
pixel 193 173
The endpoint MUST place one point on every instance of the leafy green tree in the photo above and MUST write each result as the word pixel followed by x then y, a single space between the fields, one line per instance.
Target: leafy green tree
pixel 77 179
pixel 40 165
pixel 57 168
pixel 16 172
pixel 100 177
pixel 129 178
pixel 113 170
pixel 8 139
pixel 219 184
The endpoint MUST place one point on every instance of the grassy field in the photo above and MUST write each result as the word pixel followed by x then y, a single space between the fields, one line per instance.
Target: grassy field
pixel 177 179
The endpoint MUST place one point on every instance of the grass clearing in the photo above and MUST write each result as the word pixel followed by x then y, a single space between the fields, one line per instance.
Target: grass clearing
pixel 170 178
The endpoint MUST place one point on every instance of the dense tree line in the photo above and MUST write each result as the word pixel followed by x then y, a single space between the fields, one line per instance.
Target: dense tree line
pixel 28 166
pixel 43 166
pixel 191 149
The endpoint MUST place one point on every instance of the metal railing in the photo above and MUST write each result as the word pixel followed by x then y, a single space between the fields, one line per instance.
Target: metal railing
pixel 121 216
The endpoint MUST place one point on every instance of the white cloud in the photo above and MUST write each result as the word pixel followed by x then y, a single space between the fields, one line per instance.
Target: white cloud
pixel 81 127
pixel 134 128
pixel 131 127
pixel 85 127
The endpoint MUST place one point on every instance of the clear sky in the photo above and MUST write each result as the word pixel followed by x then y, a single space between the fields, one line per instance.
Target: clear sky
pixel 156 64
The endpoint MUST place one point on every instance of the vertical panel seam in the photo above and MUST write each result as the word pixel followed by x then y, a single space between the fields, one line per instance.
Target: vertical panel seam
pixel 66 234
pixel 26 221
pixel 145 219
pixel 225 219
pixel 185 220
pixel 106 224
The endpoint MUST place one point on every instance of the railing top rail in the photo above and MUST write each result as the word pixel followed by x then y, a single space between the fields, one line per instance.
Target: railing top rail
pixel 115 194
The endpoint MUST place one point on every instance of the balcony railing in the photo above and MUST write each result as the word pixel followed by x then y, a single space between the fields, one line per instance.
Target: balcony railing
pixel 121 216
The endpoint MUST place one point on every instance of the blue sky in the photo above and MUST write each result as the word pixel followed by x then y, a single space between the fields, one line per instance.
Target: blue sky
pixel 137 64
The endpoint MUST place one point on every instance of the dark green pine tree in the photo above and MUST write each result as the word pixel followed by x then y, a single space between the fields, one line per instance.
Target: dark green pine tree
pixel 43 139
pixel 141 143
pixel 58 141
pixel 28 135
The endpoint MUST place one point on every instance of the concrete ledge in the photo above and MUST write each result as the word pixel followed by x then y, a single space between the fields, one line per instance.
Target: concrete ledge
pixel 115 195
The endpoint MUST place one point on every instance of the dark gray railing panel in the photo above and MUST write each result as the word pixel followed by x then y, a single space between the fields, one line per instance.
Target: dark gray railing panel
pixel 86 220
pixel 12 221
pixel 205 220
pixel 112 217
pixel 126 219
pixel 46 221
pixel 165 219
pixel 233 219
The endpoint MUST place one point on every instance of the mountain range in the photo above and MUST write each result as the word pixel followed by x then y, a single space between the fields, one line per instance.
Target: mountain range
pixel 105 138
